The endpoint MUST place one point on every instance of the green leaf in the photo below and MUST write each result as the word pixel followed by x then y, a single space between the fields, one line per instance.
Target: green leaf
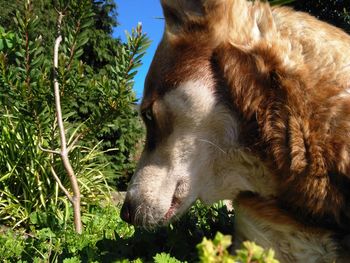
pixel 72 260
pixel 9 43
pixel 2 46
pixel 165 258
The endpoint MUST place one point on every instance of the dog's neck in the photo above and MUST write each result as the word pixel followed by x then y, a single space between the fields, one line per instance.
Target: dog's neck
pixel 258 216
pixel 261 220
pixel 237 171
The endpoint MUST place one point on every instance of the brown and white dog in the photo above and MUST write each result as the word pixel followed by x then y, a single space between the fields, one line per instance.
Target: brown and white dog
pixel 249 103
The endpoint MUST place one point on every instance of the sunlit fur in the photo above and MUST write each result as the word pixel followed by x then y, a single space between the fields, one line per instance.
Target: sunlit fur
pixel 250 103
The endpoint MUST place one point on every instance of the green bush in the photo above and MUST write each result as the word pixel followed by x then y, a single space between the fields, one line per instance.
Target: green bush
pixel 98 109
pixel 216 251
pixel 107 238
pixel 62 242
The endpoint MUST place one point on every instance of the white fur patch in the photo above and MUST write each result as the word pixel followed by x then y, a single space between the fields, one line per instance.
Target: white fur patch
pixel 291 243
pixel 192 95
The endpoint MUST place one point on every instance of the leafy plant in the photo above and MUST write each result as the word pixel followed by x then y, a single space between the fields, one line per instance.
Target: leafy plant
pixel 108 239
pixel 165 258
pixel 7 39
pixel 98 103
pixel 10 246
pixel 61 242
pixel 250 252
pixel 216 250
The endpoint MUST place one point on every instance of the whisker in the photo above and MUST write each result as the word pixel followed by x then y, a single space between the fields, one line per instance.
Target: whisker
pixel 213 144
pixel 138 213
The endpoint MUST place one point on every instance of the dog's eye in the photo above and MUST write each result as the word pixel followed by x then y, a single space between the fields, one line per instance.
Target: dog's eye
pixel 148 114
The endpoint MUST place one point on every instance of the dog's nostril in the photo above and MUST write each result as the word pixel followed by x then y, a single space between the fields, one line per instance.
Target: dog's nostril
pixel 126 213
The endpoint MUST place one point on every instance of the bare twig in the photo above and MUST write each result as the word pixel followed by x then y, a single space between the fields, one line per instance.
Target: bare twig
pixel 61 186
pixel 48 150
pixel 75 199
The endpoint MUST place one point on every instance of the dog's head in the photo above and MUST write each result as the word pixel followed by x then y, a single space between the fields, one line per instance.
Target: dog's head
pixel 192 147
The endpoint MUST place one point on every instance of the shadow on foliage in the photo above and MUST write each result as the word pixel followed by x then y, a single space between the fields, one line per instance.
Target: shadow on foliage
pixel 179 239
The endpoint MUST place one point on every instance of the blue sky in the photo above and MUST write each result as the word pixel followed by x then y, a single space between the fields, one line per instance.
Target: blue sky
pixel 130 12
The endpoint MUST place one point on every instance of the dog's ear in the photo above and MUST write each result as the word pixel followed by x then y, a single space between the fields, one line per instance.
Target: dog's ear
pixel 184 16
pixel 239 21
pixel 178 13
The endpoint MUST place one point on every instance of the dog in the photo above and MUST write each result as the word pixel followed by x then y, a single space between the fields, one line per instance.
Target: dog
pixel 251 103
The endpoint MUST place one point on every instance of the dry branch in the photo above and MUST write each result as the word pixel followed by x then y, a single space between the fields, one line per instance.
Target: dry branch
pixel 64 151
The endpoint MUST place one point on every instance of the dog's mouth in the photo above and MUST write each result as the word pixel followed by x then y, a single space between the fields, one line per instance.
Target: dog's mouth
pixel 178 201
pixel 174 207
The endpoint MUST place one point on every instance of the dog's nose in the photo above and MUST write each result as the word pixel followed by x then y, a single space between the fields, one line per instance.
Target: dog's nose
pixel 127 212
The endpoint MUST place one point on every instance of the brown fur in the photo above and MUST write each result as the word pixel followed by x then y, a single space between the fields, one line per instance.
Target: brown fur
pixel 302 136
pixel 303 127
pixel 262 219
pixel 268 209
pixel 284 82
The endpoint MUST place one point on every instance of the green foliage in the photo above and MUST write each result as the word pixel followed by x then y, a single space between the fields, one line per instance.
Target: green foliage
pixel 98 108
pixel 100 47
pixel 7 40
pixel 178 240
pixel 165 258
pixel 61 242
pixel 216 251
pixel 11 247
pixel 26 179
pixel 254 253
pixel 108 239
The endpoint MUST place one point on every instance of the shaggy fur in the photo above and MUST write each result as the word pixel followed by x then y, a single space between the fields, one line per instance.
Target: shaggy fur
pixel 298 103
pixel 288 76
pixel 249 102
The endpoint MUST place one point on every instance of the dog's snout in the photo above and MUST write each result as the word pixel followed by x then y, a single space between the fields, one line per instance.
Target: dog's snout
pixel 127 212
